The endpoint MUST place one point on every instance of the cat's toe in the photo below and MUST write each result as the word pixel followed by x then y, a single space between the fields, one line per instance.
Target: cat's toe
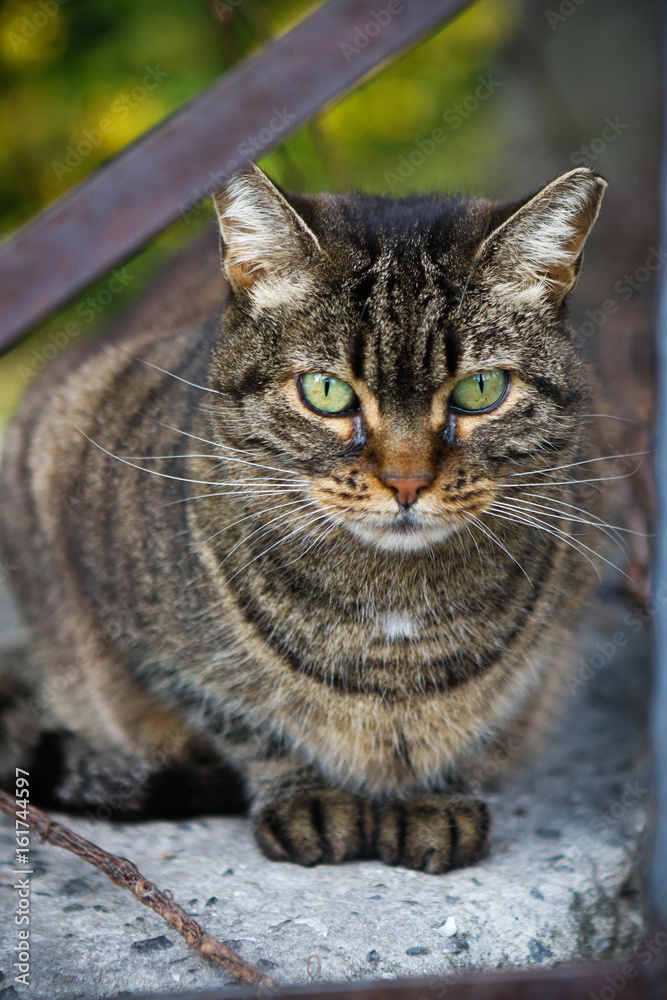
pixel 324 825
pixel 433 833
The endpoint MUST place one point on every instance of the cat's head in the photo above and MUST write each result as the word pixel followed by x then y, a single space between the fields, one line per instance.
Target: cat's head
pixel 404 357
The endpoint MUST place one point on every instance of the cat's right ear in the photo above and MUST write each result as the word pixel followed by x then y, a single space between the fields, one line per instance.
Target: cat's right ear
pixel 535 255
pixel 267 248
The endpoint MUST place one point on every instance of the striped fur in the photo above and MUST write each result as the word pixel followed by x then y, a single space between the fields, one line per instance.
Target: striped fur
pixel 354 672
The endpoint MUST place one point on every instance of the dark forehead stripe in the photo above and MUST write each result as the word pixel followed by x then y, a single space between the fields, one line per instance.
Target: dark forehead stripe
pixel 358 353
pixel 450 292
pixel 412 318
pixel 361 293
pixel 363 289
pixel 401 294
pixel 452 349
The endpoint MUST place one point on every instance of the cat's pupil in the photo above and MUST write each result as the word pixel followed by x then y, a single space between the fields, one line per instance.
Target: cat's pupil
pixel 327 385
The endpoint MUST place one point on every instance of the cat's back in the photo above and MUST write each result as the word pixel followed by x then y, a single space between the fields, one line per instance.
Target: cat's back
pixel 108 390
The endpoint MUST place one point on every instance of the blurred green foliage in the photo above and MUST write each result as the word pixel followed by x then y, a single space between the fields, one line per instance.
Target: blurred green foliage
pixel 80 79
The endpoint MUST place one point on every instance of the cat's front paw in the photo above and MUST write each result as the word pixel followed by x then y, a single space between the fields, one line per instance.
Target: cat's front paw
pixel 319 825
pixel 433 833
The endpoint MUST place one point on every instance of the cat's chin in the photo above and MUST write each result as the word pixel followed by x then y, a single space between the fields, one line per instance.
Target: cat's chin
pixel 401 534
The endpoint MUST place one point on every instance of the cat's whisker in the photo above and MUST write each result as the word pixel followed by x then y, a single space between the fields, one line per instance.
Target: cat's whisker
pixel 571 506
pixel 256 479
pixel 265 529
pixel 585 461
pixel 248 494
pixel 164 475
pixel 486 530
pixel 335 523
pixel 156 458
pixel 613 527
pixel 225 447
pixel 569 482
pixel 617 530
pixel 559 535
pixel 281 541
pixel 533 511
pixel 244 484
pixel 572 541
pixel 245 461
pixel 610 530
pixel 235 493
pixel 196 437
pixel 218 463
pixel 607 416
pixel 204 388
pixel 474 541
pixel 258 513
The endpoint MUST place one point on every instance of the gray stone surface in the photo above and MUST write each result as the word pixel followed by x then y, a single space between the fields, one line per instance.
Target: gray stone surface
pixel 560 884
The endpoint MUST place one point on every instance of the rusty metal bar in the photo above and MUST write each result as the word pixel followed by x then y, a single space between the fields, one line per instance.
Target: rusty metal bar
pixel 244 114
pixel 636 979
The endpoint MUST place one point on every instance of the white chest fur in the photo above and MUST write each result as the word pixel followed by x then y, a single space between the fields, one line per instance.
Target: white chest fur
pixel 398 625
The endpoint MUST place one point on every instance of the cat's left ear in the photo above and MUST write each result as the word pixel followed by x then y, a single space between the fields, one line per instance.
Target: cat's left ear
pixel 267 248
pixel 536 253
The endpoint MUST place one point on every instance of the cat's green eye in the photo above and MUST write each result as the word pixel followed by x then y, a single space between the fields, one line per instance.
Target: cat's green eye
pixel 480 391
pixel 328 394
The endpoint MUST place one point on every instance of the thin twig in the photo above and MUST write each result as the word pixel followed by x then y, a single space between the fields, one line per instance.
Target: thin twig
pixel 125 874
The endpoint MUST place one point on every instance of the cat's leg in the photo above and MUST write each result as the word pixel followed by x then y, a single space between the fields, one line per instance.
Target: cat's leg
pixel 69 773
pixel 106 785
pixel 299 817
pixel 174 774
pixel 432 833
pixel 65 771
pixel 19 732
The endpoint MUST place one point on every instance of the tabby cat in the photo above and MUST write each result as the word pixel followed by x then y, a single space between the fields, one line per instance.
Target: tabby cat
pixel 324 533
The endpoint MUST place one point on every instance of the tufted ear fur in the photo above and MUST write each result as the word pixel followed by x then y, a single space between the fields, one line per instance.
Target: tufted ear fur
pixel 536 253
pixel 268 249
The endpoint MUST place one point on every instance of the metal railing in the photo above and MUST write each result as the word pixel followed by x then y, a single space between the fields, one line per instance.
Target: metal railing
pixel 115 212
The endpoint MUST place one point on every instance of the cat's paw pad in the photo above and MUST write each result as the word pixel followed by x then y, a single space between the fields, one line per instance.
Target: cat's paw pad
pixel 323 825
pixel 433 833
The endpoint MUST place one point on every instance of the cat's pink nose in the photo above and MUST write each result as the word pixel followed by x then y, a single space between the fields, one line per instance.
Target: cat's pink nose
pixel 407 490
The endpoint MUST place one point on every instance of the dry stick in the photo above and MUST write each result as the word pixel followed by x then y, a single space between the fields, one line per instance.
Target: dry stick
pixel 125 874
